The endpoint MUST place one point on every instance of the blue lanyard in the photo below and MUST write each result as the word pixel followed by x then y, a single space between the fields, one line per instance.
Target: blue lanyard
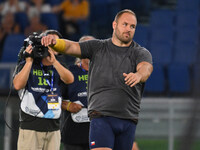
pixel 46 74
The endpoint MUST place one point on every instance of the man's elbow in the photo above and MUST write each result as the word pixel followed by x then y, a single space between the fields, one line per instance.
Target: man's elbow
pixel 149 72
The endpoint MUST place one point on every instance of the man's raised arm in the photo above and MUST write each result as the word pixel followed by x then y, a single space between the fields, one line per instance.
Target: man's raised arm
pixel 62 45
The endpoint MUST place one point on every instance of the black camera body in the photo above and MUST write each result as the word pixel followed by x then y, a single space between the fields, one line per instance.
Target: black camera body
pixel 38 50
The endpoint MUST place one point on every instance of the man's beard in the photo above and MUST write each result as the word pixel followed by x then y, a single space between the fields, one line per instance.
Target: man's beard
pixel 121 38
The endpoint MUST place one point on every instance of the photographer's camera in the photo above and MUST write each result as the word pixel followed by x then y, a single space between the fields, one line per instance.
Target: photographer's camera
pixel 38 50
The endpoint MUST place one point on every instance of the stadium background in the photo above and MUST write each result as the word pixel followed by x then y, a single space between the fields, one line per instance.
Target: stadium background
pixel 169 118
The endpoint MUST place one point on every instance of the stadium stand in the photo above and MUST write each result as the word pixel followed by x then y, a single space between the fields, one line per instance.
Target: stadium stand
pixel 185 18
pixel 185 52
pixel 162 34
pixel 156 83
pixel 53 2
pixel 179 78
pixel 4 78
pixel 99 17
pixel 161 52
pixel 168 28
pixel 22 19
pixel 11 48
pixel 187 5
pixel 171 33
pixel 114 7
pixel 165 17
pixel 187 35
pixel 142 35
pixel 51 20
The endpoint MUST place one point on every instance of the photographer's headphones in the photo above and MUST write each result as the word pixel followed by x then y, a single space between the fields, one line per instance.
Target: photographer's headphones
pixel 47 32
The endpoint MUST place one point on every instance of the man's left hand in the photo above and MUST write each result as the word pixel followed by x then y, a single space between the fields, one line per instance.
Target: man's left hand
pixel 132 79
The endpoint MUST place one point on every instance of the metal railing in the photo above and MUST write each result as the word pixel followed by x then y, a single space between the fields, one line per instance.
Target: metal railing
pixel 165 118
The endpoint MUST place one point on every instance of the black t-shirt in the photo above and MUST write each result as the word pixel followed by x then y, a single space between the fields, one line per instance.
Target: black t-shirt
pixel 107 91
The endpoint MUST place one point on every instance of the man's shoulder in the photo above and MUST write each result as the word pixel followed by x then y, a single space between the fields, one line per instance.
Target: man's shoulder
pixel 100 41
pixel 95 44
pixel 138 50
pixel 138 47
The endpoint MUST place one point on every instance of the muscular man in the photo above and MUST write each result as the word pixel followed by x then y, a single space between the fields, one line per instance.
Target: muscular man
pixel 117 72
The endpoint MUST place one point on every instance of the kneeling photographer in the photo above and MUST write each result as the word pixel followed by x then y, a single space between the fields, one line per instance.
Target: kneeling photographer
pixel 37 79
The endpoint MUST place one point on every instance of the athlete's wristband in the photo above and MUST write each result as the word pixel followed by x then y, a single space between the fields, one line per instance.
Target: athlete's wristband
pixel 59 46
pixel 69 103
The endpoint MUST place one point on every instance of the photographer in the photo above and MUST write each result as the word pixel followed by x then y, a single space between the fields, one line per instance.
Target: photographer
pixel 37 79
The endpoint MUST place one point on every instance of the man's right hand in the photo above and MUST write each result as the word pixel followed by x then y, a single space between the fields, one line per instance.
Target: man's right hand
pixel 48 40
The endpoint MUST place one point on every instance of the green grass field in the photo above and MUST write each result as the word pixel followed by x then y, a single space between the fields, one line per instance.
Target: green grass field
pixel 152 144
pixel 159 144
pixel 162 144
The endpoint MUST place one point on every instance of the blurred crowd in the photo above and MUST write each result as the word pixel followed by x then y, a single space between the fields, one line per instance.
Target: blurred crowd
pixel 28 16
pixel 168 28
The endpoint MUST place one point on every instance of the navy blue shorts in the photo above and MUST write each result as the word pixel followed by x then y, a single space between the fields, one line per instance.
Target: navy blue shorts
pixel 111 132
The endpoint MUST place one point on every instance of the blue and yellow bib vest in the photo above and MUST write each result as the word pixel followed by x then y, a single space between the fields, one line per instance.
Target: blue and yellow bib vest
pixel 42 82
